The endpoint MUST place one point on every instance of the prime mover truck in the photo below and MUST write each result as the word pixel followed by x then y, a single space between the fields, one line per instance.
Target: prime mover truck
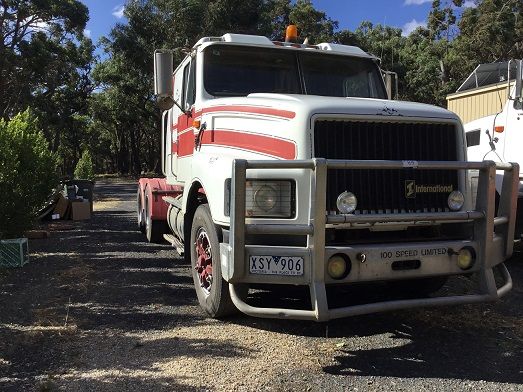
pixel 288 164
pixel 490 104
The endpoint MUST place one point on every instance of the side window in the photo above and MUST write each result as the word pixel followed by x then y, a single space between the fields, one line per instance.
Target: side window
pixel 189 85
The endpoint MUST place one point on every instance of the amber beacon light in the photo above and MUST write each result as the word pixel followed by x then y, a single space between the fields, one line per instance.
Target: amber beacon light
pixel 291 34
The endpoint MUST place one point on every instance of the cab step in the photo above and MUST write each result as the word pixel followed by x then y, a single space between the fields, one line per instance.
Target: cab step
pixel 178 245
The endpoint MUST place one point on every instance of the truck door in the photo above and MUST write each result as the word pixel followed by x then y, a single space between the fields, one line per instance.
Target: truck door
pixel 185 119
pixel 514 132
pixel 174 115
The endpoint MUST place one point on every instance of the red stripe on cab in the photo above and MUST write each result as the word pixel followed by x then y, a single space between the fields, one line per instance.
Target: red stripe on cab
pixel 263 144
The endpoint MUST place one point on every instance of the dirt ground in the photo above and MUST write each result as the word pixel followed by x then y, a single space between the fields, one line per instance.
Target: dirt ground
pixel 100 309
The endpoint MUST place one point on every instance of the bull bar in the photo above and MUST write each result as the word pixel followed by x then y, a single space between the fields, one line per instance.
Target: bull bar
pixel 492 235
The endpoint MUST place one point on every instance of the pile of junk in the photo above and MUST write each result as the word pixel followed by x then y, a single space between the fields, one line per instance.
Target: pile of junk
pixel 73 199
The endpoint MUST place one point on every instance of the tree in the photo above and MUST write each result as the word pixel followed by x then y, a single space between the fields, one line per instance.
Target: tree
pixel 493 31
pixel 45 62
pixel 27 173
pixel 84 167
pixel 313 24
pixel 33 36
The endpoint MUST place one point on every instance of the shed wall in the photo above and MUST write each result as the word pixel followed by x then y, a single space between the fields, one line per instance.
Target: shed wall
pixel 473 104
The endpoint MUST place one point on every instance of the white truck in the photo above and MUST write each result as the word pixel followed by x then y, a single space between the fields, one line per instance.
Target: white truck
pixel 491 105
pixel 289 165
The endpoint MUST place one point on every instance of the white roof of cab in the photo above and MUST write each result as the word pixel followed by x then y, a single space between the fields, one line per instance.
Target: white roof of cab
pixel 346 49
pixel 247 39
pixel 260 40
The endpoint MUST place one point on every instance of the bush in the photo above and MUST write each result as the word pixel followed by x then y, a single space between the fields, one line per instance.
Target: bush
pixel 27 173
pixel 84 167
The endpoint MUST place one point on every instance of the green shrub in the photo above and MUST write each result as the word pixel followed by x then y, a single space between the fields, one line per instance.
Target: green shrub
pixel 84 167
pixel 27 173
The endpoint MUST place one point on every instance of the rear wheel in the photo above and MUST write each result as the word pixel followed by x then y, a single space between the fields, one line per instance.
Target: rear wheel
pixel 212 290
pixel 140 214
pixel 154 229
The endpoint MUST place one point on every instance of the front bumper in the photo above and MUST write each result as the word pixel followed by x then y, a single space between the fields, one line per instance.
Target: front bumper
pixel 491 241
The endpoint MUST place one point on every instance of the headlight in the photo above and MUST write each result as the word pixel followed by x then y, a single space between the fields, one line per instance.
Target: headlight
pixel 269 199
pixel 265 198
pixel 347 202
pixel 456 200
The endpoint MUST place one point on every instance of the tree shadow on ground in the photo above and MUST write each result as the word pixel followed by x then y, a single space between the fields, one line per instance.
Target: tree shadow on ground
pixel 472 342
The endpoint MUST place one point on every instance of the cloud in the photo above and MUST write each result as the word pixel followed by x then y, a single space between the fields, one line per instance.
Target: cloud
pixel 118 11
pixel 87 33
pixel 409 27
pixel 469 4
pixel 416 2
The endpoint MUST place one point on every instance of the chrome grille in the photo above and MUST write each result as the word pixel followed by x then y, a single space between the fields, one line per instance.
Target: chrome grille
pixel 385 191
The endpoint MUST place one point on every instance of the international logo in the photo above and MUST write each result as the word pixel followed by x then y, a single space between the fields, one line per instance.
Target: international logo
pixel 412 189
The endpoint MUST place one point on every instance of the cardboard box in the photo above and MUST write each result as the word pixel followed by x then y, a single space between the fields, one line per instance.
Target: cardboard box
pixel 61 206
pixel 81 210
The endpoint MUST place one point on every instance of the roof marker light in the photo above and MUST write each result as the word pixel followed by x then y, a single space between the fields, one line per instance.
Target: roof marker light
pixel 291 33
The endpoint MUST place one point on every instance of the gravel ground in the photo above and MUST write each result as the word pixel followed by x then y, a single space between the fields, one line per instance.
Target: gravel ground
pixel 99 309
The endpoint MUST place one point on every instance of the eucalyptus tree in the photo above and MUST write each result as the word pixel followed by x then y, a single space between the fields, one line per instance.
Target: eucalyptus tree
pixel 45 61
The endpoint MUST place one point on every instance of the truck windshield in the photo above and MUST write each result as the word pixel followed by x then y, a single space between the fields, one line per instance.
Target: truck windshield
pixel 239 71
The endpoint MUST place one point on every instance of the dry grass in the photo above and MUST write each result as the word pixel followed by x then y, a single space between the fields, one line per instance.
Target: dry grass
pixel 106 204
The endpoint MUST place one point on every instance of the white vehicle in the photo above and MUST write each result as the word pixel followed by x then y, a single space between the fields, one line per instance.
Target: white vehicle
pixel 289 165
pixel 490 101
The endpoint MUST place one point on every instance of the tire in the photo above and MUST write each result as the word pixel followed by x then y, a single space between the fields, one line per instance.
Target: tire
pixel 418 287
pixel 140 214
pixel 212 290
pixel 518 232
pixel 154 229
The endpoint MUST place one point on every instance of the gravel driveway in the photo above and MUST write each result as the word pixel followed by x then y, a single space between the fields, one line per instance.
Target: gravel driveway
pixel 99 309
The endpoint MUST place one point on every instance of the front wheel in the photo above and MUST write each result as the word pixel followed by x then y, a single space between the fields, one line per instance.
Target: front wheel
pixel 212 290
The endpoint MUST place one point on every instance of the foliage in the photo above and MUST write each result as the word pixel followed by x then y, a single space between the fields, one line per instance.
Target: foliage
pixel 47 64
pixel 84 168
pixel 45 61
pixel 27 173
pixel 313 24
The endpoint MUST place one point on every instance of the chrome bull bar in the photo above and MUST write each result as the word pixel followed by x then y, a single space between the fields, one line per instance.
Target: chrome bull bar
pixel 486 227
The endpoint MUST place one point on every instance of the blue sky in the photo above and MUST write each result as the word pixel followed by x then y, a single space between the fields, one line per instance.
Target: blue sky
pixel 405 14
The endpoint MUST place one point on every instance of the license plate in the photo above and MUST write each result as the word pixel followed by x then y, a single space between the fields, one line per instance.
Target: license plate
pixel 276 265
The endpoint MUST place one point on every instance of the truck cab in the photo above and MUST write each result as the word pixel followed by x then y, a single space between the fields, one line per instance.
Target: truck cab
pixel 295 168
pixel 491 105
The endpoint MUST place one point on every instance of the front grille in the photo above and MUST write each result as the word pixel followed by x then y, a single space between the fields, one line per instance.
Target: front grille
pixel 385 191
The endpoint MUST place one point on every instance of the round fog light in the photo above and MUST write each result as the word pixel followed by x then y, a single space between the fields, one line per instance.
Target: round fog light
pixel 347 202
pixel 338 267
pixel 466 258
pixel 456 200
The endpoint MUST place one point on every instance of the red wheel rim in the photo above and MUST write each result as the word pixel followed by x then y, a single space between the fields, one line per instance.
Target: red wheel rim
pixel 203 260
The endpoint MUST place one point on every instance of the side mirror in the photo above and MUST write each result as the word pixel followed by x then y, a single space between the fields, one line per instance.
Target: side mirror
pixel 391 84
pixel 163 78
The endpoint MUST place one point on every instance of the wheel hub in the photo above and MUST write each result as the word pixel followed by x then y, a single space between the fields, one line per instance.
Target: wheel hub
pixel 203 260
